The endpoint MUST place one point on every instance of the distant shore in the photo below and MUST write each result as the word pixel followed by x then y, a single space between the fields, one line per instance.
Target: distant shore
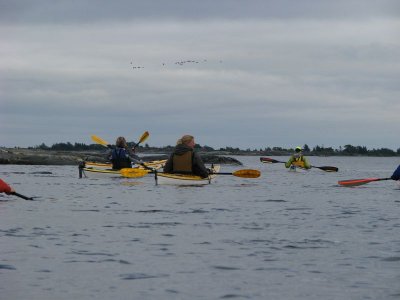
pixel 24 156
pixel 36 156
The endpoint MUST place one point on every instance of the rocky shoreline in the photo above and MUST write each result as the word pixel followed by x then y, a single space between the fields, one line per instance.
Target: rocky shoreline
pixel 24 156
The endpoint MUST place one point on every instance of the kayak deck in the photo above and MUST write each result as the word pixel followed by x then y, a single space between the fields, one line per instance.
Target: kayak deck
pixel 103 170
pixel 184 179
pixel 293 168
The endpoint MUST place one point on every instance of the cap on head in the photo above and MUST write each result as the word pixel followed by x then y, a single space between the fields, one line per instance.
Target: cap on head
pixel 298 149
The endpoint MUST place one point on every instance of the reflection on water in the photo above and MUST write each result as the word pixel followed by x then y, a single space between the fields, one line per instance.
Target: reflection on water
pixel 281 236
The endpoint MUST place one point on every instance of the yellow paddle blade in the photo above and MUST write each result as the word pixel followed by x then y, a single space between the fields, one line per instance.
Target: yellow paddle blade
pixel 99 140
pixel 133 172
pixel 247 173
pixel 144 137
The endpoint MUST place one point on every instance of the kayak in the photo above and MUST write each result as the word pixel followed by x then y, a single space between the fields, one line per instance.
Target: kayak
pixel 184 179
pixel 150 164
pixel 101 170
pixel 293 168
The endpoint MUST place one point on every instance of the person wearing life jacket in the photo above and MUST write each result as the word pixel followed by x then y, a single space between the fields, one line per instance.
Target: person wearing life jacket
pixel 396 174
pixel 298 160
pixel 121 156
pixel 184 160
pixel 5 188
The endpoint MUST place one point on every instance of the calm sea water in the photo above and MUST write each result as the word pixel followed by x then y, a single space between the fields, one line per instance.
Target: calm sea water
pixel 281 236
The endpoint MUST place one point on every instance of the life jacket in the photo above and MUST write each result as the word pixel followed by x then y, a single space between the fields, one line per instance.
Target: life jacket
pixel 120 159
pixel 183 163
pixel 298 161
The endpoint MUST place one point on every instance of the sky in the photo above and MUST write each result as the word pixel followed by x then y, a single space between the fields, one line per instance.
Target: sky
pixel 239 73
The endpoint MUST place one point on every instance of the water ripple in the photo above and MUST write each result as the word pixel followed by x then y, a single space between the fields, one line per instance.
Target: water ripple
pixel 84 252
pixel 393 258
pixel 7 267
pixel 134 276
pixel 225 268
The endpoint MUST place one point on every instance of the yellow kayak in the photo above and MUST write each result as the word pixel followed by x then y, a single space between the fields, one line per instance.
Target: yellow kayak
pixel 97 165
pixel 103 170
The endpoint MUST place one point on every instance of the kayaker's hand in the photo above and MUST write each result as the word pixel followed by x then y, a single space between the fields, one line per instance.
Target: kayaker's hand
pixel 394 177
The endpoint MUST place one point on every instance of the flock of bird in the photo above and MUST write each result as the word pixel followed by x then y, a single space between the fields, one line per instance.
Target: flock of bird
pixel 180 63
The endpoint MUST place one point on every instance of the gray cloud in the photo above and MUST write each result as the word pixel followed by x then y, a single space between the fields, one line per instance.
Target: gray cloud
pixel 48 11
pixel 283 80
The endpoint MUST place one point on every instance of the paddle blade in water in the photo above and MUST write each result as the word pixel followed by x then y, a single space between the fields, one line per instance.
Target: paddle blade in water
pixel 328 168
pixel 133 172
pixel 247 173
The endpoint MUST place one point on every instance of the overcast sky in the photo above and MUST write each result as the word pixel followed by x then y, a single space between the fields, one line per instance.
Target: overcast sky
pixel 256 74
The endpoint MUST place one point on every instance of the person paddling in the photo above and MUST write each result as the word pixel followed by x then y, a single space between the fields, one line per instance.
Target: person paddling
pixel 5 188
pixel 121 156
pixel 396 174
pixel 184 160
pixel 298 160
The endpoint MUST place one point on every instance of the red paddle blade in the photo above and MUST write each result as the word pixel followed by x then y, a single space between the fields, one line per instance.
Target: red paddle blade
pixel 356 182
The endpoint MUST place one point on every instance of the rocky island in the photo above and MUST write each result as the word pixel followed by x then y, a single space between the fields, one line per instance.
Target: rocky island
pixel 24 156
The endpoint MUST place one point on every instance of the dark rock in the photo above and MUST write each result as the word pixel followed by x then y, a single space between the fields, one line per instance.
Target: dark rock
pixel 22 156
pixel 217 159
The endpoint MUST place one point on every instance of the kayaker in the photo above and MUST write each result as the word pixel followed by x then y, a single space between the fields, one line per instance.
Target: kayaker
pixel 298 159
pixel 184 160
pixel 5 188
pixel 396 174
pixel 121 156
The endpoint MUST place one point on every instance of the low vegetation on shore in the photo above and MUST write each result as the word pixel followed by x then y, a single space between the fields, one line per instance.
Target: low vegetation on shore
pixel 72 154
pixel 346 150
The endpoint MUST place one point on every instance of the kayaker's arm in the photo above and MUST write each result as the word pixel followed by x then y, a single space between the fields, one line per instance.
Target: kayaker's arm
pixel 198 166
pixel 306 163
pixel 168 167
pixel 289 162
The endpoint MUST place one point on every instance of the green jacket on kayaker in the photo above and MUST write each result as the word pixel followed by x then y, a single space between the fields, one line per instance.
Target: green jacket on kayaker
pixel 184 160
pixel 298 160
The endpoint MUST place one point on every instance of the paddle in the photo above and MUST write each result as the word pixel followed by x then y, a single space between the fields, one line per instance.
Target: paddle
pixel 21 196
pixel 135 173
pixel 273 161
pixel 356 182
pixel 144 137
pixel 100 141
pixel 244 173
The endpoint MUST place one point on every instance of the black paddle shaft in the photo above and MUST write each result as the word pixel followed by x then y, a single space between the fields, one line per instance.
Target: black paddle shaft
pixel 21 196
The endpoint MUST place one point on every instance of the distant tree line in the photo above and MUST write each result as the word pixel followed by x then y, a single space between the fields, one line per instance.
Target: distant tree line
pixel 346 150
pixel 69 147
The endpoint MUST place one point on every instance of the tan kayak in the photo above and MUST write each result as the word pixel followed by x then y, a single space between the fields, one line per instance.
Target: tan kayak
pixel 183 179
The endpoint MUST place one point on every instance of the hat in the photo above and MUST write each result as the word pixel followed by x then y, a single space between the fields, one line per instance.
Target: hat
pixel 298 149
